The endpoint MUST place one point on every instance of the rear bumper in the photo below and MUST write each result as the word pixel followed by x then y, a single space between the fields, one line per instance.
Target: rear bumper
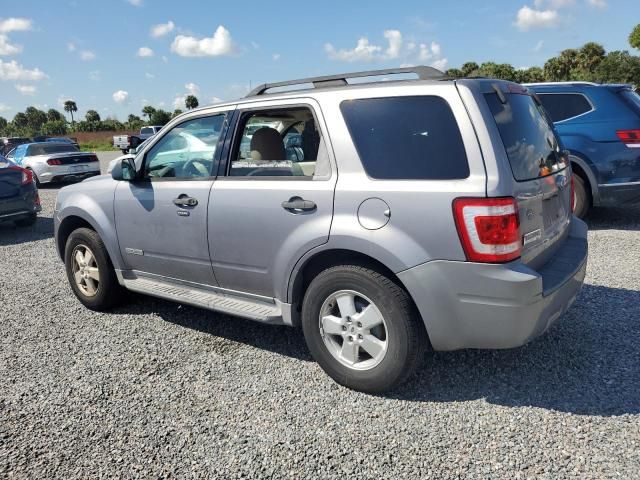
pixel 51 177
pixel 473 305
pixel 618 194
pixel 20 206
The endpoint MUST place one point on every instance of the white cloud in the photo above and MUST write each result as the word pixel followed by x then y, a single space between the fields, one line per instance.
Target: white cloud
pixel 15 25
pixel 276 57
pixel 87 55
pixel 4 108
pixel 145 52
pixel 410 52
pixel 95 76
pixel 192 88
pixel 553 3
pixel 150 76
pixel 220 44
pixel 7 48
pixel 135 3
pixel 14 71
pixel 597 3
pixel 161 29
pixel 178 102
pixel 394 37
pixel 165 59
pixel 215 99
pixel 26 89
pixel 121 97
pixel 71 47
pixel 528 18
pixel 538 46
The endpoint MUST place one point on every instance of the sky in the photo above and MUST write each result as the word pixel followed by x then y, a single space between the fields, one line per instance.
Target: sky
pixel 115 56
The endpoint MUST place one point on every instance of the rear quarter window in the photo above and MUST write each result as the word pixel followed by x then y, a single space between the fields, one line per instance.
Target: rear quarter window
pixel 632 99
pixel 406 138
pixel 562 106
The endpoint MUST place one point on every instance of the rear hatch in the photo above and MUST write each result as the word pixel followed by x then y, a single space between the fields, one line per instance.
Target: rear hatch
pixel 541 177
pixel 10 184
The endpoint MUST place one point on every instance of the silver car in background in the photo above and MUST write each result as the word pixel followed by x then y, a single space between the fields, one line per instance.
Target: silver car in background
pixel 382 217
pixel 55 162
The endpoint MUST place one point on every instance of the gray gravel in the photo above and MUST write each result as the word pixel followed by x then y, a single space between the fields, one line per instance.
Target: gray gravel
pixel 155 389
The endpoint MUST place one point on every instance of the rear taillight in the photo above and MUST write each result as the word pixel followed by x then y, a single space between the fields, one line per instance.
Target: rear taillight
pixel 573 194
pixel 489 228
pixel 631 138
pixel 54 161
pixel 27 176
pixel 93 158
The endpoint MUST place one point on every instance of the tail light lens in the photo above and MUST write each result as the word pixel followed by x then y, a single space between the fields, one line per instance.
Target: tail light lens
pixel 27 176
pixel 631 138
pixel 54 161
pixel 489 228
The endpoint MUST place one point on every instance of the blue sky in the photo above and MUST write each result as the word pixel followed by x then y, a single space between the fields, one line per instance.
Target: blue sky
pixel 117 55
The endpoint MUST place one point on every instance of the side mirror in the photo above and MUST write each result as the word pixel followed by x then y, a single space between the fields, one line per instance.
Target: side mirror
pixel 124 170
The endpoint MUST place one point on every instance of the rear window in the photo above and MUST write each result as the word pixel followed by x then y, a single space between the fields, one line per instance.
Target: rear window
pixel 562 106
pixel 632 99
pixel 49 149
pixel 528 138
pixel 408 138
pixel 146 130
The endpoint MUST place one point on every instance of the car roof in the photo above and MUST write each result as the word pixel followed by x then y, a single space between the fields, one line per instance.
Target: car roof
pixel 577 86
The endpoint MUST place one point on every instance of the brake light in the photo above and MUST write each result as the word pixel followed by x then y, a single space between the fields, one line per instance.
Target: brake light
pixel 573 195
pixel 27 175
pixel 489 228
pixel 631 138
pixel 54 161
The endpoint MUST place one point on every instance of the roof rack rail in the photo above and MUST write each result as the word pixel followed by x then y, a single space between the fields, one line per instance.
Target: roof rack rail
pixel 422 71
pixel 576 82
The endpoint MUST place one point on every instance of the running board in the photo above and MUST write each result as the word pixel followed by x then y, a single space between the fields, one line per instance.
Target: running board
pixel 224 303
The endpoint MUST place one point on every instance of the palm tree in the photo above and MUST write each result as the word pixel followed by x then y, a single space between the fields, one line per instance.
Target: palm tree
pixel 148 110
pixel 70 107
pixel 92 116
pixel 191 102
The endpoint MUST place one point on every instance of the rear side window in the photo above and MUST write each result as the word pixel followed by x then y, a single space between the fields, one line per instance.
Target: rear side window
pixel 406 138
pixel 632 99
pixel 146 130
pixel 562 106
pixel 528 138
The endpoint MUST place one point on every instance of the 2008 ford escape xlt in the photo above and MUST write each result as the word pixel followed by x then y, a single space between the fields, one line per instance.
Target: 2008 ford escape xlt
pixel 381 217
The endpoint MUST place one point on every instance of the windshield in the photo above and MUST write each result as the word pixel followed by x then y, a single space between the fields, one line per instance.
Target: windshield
pixel 49 149
pixel 528 137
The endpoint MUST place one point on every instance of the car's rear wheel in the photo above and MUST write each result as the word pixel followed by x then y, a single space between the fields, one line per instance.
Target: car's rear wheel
pixel 27 221
pixel 362 328
pixel 581 198
pixel 90 272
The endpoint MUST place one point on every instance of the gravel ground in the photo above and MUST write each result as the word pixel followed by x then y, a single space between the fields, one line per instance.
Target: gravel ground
pixel 155 389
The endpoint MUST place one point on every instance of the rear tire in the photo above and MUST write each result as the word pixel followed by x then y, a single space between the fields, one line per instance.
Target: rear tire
pixel 27 221
pixel 581 198
pixel 372 352
pixel 90 272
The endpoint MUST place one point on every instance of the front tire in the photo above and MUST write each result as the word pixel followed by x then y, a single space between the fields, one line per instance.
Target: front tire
pixel 581 198
pixel 90 272
pixel 362 328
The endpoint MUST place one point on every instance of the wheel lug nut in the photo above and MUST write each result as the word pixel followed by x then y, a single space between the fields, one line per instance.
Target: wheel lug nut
pixel 344 328
pixel 350 338
pixel 360 337
pixel 359 324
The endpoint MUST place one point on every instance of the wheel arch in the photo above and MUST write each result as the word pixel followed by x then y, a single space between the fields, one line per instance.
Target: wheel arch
pixel 582 168
pixel 310 267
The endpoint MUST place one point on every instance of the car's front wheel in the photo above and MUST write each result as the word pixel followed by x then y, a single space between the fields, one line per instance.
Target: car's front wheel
pixel 362 328
pixel 89 270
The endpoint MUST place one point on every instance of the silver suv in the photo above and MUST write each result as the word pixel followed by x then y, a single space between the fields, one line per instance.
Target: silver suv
pixel 381 217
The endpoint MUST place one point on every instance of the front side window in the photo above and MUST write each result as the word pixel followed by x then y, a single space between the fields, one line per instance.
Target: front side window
pixel 187 150
pixel 562 106
pixel 278 143
pixel 406 138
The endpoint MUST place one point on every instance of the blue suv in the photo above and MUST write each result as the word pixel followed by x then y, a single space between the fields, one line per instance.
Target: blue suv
pixel 600 126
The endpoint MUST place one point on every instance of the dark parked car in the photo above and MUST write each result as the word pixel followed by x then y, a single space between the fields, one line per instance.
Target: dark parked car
pixel 19 200
pixel 9 143
pixel 600 126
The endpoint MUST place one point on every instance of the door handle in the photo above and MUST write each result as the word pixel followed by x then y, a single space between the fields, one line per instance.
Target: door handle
pixel 185 200
pixel 298 205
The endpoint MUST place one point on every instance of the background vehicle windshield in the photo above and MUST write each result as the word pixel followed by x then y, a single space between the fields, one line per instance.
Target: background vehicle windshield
pixel 529 139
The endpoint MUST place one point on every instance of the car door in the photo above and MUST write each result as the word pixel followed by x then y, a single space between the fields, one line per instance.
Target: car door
pixel 161 217
pixel 265 209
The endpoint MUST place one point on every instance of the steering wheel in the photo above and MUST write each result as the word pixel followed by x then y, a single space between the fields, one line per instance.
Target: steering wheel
pixel 198 167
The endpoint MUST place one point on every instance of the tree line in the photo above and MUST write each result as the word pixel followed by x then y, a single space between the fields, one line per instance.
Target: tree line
pixel 33 121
